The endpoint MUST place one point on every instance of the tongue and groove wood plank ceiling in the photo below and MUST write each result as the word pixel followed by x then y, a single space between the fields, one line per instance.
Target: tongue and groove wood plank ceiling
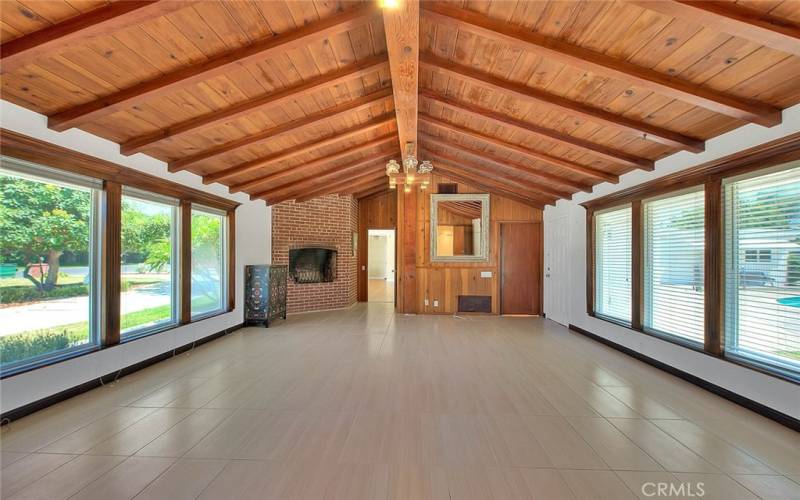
pixel 296 99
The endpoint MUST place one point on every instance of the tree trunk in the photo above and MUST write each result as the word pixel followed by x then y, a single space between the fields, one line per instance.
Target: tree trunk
pixel 52 272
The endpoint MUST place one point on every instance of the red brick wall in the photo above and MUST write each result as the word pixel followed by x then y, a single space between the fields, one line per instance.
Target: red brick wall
pixel 328 221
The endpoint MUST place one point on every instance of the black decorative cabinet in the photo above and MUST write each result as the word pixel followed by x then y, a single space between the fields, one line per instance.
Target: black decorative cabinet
pixel 264 294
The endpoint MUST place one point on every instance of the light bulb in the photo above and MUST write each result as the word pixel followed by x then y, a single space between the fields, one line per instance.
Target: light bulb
pixel 390 4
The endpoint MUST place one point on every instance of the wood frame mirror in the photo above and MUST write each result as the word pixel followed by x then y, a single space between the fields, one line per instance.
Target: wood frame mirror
pixel 465 218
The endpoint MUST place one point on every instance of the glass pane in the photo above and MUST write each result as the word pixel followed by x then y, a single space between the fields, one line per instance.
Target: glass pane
pixel 613 264
pixel 46 284
pixel 762 269
pixel 674 243
pixel 146 298
pixel 208 262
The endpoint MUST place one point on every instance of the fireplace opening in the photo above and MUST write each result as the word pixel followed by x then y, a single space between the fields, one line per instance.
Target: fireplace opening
pixel 312 264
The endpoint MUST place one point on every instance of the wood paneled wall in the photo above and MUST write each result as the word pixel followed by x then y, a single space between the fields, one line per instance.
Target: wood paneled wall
pixel 445 281
pixel 378 211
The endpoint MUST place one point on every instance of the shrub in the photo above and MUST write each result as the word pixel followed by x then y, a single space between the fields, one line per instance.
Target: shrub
pixel 15 294
pixel 17 347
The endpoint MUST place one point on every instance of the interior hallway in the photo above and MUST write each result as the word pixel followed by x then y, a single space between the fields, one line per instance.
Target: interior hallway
pixel 380 290
pixel 366 404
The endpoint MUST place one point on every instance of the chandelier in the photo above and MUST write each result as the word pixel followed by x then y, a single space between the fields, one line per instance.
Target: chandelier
pixel 413 173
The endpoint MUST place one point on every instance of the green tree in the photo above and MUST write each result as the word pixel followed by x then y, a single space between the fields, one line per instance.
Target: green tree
pixel 39 222
pixel 144 235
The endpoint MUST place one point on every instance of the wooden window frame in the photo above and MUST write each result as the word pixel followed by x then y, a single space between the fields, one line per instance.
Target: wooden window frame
pixel 710 177
pixel 114 177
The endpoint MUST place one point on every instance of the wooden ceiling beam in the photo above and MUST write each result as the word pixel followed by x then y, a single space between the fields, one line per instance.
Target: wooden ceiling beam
pixel 284 95
pixel 68 33
pixel 508 164
pixel 521 150
pixel 218 65
pixel 362 181
pixel 509 182
pixel 328 176
pixel 366 193
pixel 401 25
pixel 733 19
pixel 640 129
pixel 305 147
pixel 607 153
pixel 310 166
pixel 523 38
pixel 317 118
pixel 453 172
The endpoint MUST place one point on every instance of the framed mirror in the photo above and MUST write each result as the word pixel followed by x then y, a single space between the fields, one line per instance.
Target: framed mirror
pixel 459 227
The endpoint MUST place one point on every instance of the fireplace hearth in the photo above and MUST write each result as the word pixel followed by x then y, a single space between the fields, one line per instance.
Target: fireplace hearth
pixel 312 264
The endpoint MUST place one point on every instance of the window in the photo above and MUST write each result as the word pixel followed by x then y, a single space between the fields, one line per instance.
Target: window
pixel 674 265
pixel 48 263
pixel 149 295
pixel 208 261
pixel 762 269
pixel 613 263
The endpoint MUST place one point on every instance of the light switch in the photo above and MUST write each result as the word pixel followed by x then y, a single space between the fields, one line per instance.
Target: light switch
pixel 486 274
pixel 427 302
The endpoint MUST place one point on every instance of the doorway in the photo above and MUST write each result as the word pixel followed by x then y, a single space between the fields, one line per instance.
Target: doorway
pixel 520 268
pixel 556 271
pixel 380 265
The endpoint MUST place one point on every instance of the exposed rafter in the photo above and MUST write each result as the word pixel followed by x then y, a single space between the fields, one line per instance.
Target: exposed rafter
pixel 310 166
pixel 366 193
pixel 218 65
pixel 355 105
pixel 401 25
pixel 455 173
pixel 529 128
pixel 521 150
pixel 359 182
pixel 509 164
pixel 282 96
pixel 520 91
pixel 511 182
pixel 558 50
pixel 329 176
pixel 267 161
pixel 67 34
pixel 733 19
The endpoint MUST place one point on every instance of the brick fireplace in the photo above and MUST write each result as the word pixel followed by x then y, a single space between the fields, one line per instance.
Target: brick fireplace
pixel 329 222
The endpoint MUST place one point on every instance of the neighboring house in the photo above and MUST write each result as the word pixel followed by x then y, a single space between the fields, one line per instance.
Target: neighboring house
pixel 770 252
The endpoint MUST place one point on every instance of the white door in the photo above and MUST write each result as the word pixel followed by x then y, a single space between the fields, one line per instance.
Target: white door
pixel 556 274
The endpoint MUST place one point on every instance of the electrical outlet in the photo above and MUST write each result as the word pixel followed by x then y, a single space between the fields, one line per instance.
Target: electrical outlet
pixel 435 303
pixel 427 302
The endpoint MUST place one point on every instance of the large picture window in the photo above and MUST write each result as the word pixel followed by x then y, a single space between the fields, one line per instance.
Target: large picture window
pixel 674 245
pixel 762 268
pixel 149 295
pixel 208 261
pixel 613 263
pixel 48 263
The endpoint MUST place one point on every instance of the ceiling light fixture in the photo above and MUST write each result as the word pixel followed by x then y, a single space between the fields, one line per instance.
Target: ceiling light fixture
pixel 413 172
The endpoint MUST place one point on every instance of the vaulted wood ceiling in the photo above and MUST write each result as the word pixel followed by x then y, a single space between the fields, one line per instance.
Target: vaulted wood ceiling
pixel 296 99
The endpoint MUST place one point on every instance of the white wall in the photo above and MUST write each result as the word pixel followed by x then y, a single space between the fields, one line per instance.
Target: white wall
pixel 770 391
pixel 253 246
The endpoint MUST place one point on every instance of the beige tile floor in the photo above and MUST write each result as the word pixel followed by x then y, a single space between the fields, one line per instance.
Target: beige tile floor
pixel 366 404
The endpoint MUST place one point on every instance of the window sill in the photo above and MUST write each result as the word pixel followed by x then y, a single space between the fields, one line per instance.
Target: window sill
pixel 729 358
pixel 49 360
